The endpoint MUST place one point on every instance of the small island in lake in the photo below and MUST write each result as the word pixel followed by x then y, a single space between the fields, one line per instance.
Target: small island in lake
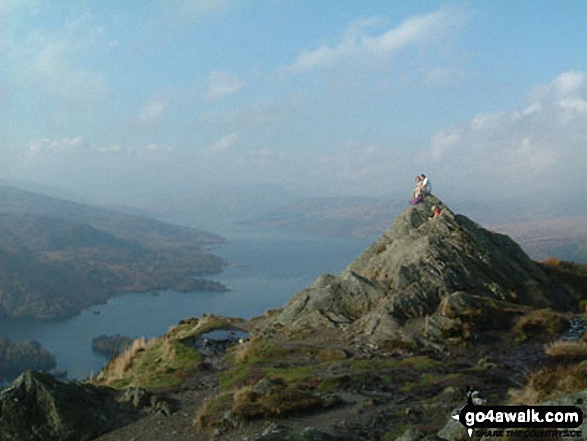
pixel 18 356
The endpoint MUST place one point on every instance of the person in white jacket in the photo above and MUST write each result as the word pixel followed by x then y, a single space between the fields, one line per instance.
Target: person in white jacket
pixel 425 185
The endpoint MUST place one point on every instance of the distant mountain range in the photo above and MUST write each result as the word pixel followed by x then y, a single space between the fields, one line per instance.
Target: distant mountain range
pixel 332 216
pixel 58 257
pixel 542 230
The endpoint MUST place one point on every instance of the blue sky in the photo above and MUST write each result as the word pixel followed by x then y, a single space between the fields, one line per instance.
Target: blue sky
pixel 123 101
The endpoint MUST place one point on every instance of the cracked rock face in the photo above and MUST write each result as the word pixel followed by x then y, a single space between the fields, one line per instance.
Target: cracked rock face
pixel 418 267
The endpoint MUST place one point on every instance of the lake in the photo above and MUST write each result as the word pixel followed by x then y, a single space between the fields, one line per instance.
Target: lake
pixel 266 269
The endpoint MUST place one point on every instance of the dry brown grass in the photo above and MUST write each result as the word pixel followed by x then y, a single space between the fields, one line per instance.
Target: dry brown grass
pixel 552 261
pixel 540 322
pixel 119 365
pixel 331 354
pixel 575 350
pixel 547 384
pixel 248 403
pixel 279 401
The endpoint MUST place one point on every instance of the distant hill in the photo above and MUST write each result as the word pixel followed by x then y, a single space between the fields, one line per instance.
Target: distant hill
pixel 542 230
pixel 58 257
pixel 333 216
pixel 129 226
pixel 561 237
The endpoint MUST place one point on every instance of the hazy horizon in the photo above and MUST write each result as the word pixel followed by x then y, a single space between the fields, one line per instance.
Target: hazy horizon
pixel 159 104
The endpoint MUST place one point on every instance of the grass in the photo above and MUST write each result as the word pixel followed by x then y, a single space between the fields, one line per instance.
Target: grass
pixel 270 378
pixel 540 322
pixel 294 370
pixel 282 399
pixel 151 364
pixel 550 383
pixel 212 412
pixel 397 431
pixel 162 361
pixel 418 362
pixel 293 374
pixel 574 350
pixel 428 379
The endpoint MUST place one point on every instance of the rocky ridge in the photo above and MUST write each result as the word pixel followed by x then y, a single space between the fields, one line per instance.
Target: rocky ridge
pixel 424 277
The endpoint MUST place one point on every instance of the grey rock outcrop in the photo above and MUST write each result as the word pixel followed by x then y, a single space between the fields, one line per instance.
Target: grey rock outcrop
pixel 36 407
pixel 445 270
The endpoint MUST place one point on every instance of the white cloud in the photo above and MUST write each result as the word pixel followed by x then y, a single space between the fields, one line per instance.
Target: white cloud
pixel 112 148
pixel 543 146
pixel 221 145
pixel 59 62
pixel 221 84
pixel 61 77
pixel 152 152
pixel 153 148
pixel 357 44
pixel 151 111
pixel 47 146
pixel 442 141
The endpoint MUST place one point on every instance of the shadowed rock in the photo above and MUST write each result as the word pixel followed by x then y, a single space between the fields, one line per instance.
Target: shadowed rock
pixel 36 407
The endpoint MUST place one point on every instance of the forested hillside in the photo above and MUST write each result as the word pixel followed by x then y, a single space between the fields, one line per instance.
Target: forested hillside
pixel 58 257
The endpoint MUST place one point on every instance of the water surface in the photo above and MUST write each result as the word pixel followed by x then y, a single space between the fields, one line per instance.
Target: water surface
pixel 266 269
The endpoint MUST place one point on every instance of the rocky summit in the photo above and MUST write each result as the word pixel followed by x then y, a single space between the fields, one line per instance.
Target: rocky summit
pixel 426 273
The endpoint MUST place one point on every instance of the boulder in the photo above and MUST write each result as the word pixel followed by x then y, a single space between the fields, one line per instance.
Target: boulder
pixel 36 407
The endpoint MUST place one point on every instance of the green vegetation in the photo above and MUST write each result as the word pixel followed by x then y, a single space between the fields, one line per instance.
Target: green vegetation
pixel 274 378
pixel 271 379
pixel 16 357
pixel 428 379
pixel 162 361
pixel 419 362
pixel 157 363
pixel 61 259
pixel 209 414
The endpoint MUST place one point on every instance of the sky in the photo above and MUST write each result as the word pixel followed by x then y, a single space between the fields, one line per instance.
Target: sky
pixel 137 101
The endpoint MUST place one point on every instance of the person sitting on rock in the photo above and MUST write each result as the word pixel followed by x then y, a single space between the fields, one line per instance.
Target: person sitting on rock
pixel 425 185
pixel 417 189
